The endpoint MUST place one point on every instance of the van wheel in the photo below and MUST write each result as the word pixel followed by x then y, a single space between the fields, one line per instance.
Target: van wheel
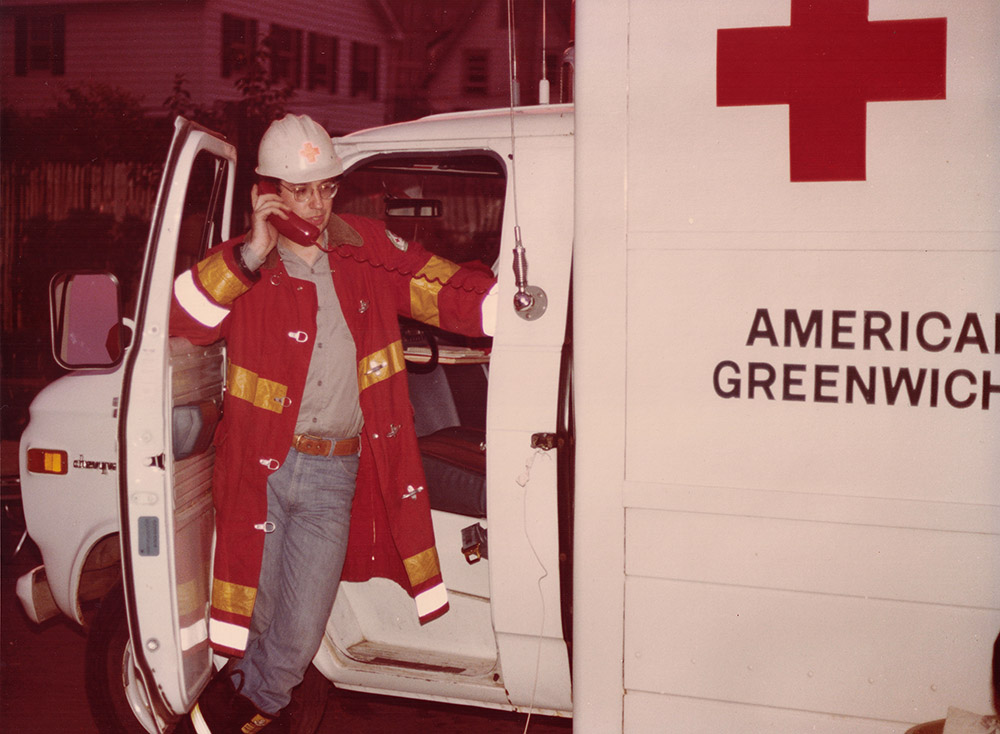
pixel 112 688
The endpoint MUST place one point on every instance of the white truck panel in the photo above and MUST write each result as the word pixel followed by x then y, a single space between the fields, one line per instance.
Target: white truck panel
pixel 819 653
pixel 856 560
pixel 599 368
pixel 647 713
pixel 855 535
pixel 706 318
pixel 720 168
pixel 842 509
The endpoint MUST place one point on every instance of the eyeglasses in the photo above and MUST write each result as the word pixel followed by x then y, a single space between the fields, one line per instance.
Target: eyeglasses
pixel 301 193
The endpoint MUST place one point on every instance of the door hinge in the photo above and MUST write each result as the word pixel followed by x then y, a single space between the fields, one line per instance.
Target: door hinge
pixel 546 441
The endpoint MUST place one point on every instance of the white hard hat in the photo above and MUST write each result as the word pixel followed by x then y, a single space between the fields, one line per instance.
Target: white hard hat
pixel 298 150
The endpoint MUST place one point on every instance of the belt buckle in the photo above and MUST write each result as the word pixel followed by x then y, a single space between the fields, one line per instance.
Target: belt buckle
pixel 308 444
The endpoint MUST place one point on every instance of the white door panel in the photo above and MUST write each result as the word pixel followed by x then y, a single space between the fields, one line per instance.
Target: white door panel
pixel 166 505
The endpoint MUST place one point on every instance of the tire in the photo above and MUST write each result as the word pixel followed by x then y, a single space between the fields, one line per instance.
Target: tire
pixel 107 665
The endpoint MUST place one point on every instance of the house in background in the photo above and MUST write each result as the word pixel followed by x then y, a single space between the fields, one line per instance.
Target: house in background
pixel 332 54
pixel 454 54
pixel 470 68
pixel 352 63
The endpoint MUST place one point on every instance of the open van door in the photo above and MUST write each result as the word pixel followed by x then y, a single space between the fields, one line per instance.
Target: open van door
pixel 171 398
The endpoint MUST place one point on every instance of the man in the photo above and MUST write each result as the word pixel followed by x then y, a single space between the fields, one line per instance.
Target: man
pixel 316 455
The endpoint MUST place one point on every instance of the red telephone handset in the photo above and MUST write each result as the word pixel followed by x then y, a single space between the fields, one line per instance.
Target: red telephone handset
pixel 295 228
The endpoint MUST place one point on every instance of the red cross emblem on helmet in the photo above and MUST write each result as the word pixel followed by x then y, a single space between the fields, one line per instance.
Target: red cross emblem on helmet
pixel 309 151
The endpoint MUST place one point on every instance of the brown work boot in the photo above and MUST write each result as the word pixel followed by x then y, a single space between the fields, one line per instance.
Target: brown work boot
pixel 222 709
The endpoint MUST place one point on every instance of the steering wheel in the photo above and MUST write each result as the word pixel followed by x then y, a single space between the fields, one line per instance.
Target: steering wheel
pixel 417 334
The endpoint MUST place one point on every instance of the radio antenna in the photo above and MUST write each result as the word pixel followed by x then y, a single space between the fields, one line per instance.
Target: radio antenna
pixel 530 301
pixel 543 85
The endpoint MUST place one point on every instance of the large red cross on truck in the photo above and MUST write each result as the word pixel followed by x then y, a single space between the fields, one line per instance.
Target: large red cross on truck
pixel 826 66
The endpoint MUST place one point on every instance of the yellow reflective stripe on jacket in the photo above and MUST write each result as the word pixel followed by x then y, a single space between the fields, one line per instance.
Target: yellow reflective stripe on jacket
pixel 219 281
pixel 425 286
pixel 381 365
pixel 423 566
pixel 235 598
pixel 246 385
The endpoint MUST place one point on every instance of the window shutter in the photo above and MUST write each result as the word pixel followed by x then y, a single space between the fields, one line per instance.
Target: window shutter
pixel 59 45
pixel 296 58
pixel 21 45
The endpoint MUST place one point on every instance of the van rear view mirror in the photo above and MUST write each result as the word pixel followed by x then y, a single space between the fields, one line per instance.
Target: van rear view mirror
pixel 86 320
pixel 412 207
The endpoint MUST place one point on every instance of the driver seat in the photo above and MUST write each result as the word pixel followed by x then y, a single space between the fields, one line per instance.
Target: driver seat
pixel 454 460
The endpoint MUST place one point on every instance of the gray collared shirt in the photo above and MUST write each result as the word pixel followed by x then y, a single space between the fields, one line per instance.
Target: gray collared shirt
pixel 330 406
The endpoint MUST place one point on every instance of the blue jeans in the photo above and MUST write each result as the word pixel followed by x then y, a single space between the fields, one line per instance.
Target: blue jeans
pixel 309 503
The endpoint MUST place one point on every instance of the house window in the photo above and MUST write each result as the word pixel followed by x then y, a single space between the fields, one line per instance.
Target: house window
pixel 40 44
pixel 364 70
pixel 239 39
pixel 475 71
pixel 322 63
pixel 286 55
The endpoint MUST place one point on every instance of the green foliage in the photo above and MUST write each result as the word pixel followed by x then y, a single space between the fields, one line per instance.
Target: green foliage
pixel 85 240
pixel 98 122
pixel 90 122
pixel 179 102
pixel 243 121
pixel 262 100
pixel 261 97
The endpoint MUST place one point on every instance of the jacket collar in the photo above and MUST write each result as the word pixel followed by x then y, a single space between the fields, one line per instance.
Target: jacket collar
pixel 340 232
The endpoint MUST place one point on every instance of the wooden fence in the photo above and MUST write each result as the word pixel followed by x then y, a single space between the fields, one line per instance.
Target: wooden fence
pixel 52 191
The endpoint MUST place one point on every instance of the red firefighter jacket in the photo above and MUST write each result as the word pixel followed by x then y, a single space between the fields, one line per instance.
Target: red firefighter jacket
pixel 268 322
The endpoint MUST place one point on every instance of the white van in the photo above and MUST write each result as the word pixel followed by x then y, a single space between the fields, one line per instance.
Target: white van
pixel 133 436
pixel 734 468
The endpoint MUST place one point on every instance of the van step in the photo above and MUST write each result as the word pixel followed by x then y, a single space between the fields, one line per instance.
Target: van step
pixel 427 661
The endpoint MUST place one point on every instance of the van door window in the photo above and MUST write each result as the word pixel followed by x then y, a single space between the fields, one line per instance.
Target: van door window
pixel 201 221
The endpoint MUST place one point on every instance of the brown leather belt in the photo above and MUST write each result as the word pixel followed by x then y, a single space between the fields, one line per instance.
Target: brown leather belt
pixel 319 446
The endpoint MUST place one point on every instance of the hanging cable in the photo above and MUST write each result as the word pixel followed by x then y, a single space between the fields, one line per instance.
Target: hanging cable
pixel 523 481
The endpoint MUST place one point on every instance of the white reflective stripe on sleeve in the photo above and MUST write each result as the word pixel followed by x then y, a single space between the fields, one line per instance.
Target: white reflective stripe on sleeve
pixel 431 600
pixel 194 634
pixel 196 303
pixel 229 635
pixel 490 310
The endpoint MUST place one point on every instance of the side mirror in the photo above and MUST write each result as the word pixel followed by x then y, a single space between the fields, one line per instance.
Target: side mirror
pixel 86 316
